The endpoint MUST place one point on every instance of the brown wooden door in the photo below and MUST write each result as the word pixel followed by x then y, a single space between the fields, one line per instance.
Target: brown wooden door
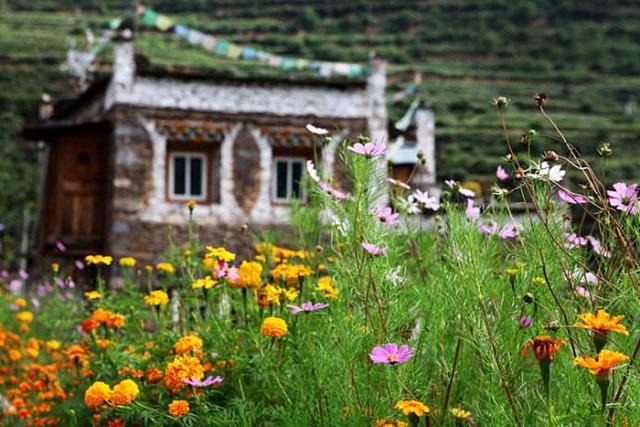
pixel 77 200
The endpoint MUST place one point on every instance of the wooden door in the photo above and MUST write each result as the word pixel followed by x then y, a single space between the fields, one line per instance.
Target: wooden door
pixel 77 198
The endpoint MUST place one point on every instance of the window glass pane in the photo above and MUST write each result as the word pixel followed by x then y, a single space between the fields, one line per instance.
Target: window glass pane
pixel 179 174
pixel 197 168
pixel 296 172
pixel 281 180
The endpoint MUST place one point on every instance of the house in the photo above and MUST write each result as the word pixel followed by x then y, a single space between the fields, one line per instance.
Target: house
pixel 123 157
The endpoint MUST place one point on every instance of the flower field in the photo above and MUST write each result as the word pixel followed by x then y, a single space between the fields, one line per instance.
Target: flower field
pixel 371 315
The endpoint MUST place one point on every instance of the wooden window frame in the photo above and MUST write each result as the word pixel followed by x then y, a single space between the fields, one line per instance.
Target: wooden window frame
pixel 209 153
pixel 290 160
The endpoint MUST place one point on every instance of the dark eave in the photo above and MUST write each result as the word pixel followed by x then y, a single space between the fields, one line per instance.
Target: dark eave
pixel 49 129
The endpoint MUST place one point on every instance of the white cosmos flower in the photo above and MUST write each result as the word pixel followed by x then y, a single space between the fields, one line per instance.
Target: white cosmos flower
pixel 422 198
pixel 552 173
pixel 316 130
pixel 312 171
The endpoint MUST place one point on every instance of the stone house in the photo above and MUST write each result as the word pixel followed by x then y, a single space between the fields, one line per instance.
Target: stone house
pixel 123 157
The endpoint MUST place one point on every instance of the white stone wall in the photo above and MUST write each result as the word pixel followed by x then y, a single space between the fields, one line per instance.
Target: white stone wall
pixel 426 140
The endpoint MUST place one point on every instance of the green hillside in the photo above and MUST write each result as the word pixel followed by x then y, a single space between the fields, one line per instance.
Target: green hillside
pixel 584 55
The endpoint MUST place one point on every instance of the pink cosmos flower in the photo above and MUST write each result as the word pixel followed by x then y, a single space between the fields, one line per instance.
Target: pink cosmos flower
pixel 390 354
pixel 370 149
pixel 583 292
pixel 624 197
pixel 307 307
pixel 195 382
pixel 23 274
pixel 598 248
pixel 386 215
pixel 571 198
pixel 472 212
pixel 373 249
pixel 506 232
pixel 225 270
pixel 574 241
pixel 79 264
pixel 501 174
pixel 336 194
pixel 60 246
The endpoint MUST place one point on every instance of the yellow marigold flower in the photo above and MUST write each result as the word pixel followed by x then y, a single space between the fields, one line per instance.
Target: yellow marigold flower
pixel 325 287
pixel 178 408
pixel 460 414
pixel 188 344
pixel 97 394
pixel 537 280
pixel 274 327
pixel 602 364
pixel 602 323
pixel 165 267
pixel 149 268
pixel 250 273
pixel 412 407
pixel 261 258
pixel 191 204
pixel 511 272
pixel 24 317
pixel 157 298
pixel 291 294
pixel 220 253
pixel 206 283
pixel 127 262
pixel 53 345
pixel 182 367
pixel 55 267
pixel 124 392
pixel 98 259
pixel 21 302
pixel 93 295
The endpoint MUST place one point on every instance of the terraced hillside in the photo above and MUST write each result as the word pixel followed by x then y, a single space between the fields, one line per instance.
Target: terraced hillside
pixel 584 55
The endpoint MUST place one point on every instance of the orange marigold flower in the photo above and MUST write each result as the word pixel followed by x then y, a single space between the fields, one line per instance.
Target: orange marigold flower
pixel 390 423
pixel 154 375
pixel 14 355
pixel 89 324
pixel 274 327
pixel 602 322
pixel 182 367
pixel 412 407
pixel 191 204
pixel 76 354
pixel 544 347
pixel 124 392
pixel 97 394
pixel 602 363
pixel 188 344
pixel 178 408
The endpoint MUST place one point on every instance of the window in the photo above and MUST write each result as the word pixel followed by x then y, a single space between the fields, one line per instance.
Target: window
pixel 287 179
pixel 188 176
